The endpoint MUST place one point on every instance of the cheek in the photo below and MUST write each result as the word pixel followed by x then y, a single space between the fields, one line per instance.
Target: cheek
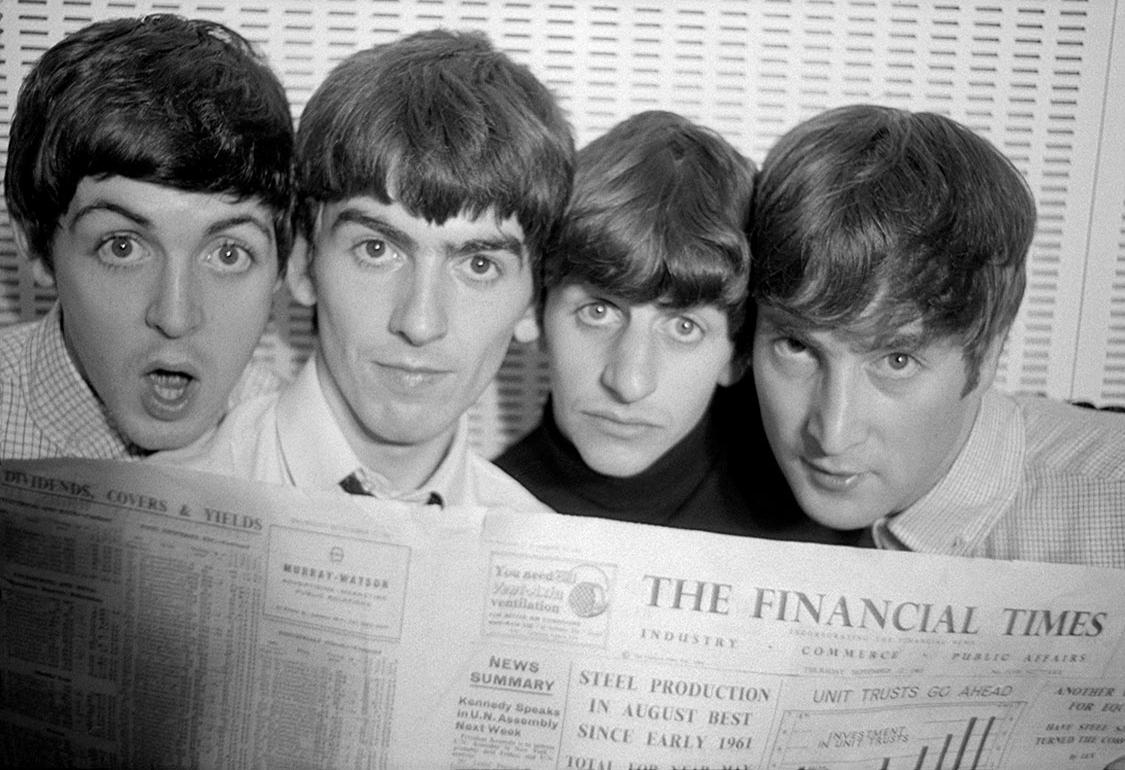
pixel 103 328
pixel 927 437
pixel 350 308
pixel 690 386
pixel 780 403
pixel 572 361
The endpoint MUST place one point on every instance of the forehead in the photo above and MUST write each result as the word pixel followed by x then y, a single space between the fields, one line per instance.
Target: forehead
pixel 576 290
pixel 156 200
pixel 867 333
pixel 486 231
pixel 564 297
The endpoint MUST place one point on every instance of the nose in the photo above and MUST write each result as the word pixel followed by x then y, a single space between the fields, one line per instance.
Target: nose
pixel 838 417
pixel 419 314
pixel 630 374
pixel 175 309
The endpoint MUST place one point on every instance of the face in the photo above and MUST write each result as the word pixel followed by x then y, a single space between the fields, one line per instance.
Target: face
pixel 628 381
pixel 861 431
pixel 414 318
pixel 164 295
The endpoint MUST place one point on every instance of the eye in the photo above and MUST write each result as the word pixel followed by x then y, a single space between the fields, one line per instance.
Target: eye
pixel 481 269
pixel 598 313
pixel 793 357
pixel 121 250
pixel 897 364
pixel 898 360
pixel 790 347
pixel 375 252
pixel 375 248
pixel 685 329
pixel 229 257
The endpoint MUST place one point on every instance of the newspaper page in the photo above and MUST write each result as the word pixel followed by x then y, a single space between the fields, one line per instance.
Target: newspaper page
pixel 154 617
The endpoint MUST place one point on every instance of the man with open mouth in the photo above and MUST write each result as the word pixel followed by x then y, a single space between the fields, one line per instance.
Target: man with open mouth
pixel 162 233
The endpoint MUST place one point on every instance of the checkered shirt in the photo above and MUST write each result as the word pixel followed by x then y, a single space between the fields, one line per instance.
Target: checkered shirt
pixel 1038 480
pixel 48 410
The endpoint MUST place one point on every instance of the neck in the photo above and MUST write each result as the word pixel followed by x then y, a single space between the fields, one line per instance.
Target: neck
pixel 405 466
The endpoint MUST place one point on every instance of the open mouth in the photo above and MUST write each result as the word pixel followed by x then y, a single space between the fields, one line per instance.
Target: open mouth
pixel 168 393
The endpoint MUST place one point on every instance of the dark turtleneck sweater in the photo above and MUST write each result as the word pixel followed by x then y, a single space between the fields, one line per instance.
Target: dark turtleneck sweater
pixel 692 486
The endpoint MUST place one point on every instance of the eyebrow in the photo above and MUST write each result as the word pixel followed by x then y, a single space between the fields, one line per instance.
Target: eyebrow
pixel 218 226
pixel 895 339
pixel 899 340
pixel 116 208
pixel 502 242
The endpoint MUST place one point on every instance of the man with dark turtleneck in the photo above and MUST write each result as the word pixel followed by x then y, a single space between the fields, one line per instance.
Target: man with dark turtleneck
pixel 644 294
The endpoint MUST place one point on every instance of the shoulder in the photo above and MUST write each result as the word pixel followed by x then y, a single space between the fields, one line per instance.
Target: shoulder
pixel 260 378
pixel 243 441
pixel 494 488
pixel 1063 438
pixel 21 437
pixel 13 341
pixel 527 454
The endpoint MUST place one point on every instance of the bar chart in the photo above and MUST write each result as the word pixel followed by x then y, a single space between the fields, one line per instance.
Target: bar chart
pixel 905 737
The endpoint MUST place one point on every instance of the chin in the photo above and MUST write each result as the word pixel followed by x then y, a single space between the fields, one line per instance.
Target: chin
pixel 837 515
pixel 616 466
pixel 158 436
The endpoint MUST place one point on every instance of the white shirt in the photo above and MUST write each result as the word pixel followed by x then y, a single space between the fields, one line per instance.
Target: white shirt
pixel 292 438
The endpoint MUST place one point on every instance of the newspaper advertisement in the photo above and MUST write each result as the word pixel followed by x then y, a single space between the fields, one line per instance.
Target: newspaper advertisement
pixel 156 617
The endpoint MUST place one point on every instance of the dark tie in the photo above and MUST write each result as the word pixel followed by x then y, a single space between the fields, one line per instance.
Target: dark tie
pixel 353 486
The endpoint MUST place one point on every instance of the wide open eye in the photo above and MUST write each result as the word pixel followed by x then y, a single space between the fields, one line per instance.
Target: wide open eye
pixel 121 250
pixel 375 249
pixel 598 313
pixel 229 257
pixel 481 269
pixel 685 329
pixel 375 252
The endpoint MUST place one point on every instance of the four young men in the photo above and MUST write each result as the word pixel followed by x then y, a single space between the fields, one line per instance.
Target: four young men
pixel 888 258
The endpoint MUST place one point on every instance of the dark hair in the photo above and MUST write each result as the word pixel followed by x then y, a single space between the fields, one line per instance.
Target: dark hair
pixel 658 213
pixel 183 103
pixel 875 217
pixel 446 125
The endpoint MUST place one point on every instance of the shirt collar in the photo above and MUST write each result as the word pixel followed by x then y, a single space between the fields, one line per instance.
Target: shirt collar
pixel 316 454
pixel 313 448
pixel 983 480
pixel 60 401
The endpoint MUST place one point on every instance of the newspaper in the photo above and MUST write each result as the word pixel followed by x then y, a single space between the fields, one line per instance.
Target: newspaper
pixel 154 617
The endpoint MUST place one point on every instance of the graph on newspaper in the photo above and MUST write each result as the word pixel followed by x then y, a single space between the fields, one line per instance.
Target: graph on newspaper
pixel 907 737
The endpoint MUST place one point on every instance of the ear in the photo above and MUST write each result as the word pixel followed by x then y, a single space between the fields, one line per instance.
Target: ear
pixel 298 272
pixel 41 271
pixel 733 371
pixel 989 363
pixel 527 328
